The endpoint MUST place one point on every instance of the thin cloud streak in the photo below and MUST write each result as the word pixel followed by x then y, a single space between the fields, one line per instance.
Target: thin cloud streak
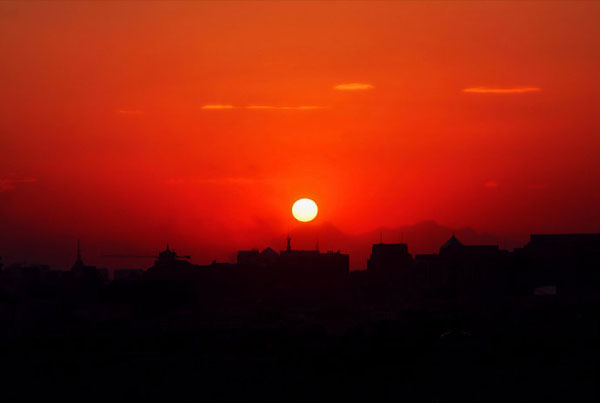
pixel 296 108
pixel 217 106
pixel 354 87
pixel 263 107
pixel 512 90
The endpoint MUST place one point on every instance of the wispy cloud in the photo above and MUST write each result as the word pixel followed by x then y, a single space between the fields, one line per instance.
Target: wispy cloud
pixel 217 106
pixel 494 90
pixel 491 184
pixel 354 87
pixel 262 107
pixel 295 108
pixel 11 182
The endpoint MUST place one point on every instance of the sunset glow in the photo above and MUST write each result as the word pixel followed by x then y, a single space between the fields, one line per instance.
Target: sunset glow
pixel 130 124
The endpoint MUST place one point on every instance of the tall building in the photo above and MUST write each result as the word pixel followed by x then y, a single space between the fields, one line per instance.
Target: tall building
pixel 79 266
pixel 83 271
pixel 566 262
pixel 391 258
pixel 462 270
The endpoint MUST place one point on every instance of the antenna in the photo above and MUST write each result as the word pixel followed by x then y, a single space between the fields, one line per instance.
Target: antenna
pixel 78 260
pixel 380 236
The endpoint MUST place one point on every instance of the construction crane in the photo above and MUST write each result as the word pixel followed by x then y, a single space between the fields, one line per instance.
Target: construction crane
pixel 144 256
pixel 170 253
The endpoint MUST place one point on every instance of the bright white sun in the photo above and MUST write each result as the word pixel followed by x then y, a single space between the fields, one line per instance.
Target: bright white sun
pixel 305 210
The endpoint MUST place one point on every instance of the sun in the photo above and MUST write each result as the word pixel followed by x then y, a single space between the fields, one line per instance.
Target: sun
pixel 305 210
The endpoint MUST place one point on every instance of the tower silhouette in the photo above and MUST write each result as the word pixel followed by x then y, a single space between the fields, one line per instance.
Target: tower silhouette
pixel 78 260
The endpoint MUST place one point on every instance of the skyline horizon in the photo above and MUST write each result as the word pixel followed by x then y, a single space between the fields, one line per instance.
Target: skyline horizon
pixel 131 124
pixel 304 234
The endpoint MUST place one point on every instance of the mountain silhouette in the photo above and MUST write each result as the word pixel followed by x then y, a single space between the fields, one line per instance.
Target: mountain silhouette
pixel 422 237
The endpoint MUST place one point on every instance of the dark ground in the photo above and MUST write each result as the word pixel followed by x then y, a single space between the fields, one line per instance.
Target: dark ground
pixel 155 340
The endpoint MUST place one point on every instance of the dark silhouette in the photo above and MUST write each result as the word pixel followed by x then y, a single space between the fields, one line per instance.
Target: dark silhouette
pixel 297 262
pixel 471 321
pixel 388 258
pixel 88 273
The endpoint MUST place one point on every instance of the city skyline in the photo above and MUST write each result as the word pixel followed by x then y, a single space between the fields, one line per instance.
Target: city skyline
pixel 130 124
pixel 424 237
pixel 282 200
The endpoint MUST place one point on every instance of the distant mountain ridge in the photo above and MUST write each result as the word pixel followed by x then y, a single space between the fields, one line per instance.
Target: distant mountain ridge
pixel 422 237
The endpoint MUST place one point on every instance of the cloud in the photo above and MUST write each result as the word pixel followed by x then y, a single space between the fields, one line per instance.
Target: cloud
pixel 218 106
pixel 491 184
pixel 295 108
pixel 11 183
pixel 512 90
pixel 263 107
pixel 353 87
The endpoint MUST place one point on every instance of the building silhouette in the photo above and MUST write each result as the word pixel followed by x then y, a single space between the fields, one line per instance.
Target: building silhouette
pixel 296 262
pixel 313 261
pixel 267 258
pixel 82 271
pixel 559 263
pixel 79 266
pixel 548 264
pixel 389 259
pixel 460 270
pixel 169 265
pixel 465 318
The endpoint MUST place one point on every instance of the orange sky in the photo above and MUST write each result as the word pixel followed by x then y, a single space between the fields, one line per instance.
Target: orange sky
pixel 133 124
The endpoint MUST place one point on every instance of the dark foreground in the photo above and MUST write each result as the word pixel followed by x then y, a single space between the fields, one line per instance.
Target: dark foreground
pixel 160 340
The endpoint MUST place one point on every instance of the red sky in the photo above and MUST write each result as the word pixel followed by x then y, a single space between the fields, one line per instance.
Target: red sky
pixel 132 124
